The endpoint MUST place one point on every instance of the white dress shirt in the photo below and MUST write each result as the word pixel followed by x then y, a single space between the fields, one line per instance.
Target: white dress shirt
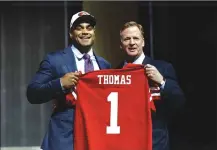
pixel 140 59
pixel 80 60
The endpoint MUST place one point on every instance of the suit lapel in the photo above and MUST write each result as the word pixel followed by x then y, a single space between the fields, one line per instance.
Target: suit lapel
pixel 100 62
pixel 69 59
pixel 70 64
pixel 150 61
pixel 147 60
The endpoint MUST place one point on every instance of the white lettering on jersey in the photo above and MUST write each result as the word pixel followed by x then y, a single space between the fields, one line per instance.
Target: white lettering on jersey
pixel 114 79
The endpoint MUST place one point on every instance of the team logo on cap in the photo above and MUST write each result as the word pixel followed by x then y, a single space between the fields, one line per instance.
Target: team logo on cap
pixel 82 13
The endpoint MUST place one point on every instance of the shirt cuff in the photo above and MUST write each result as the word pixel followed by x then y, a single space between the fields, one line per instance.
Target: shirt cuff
pixel 162 85
pixel 63 89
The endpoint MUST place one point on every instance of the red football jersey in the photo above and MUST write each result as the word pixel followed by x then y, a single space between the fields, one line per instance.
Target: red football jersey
pixel 113 110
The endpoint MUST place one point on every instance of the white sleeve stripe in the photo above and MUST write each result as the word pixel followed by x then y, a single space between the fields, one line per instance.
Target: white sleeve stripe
pixel 155 94
pixel 74 94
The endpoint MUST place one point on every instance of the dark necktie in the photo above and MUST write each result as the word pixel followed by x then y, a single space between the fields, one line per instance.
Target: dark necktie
pixel 88 64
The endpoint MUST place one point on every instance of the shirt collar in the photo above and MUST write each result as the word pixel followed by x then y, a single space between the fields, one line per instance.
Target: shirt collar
pixel 139 60
pixel 78 54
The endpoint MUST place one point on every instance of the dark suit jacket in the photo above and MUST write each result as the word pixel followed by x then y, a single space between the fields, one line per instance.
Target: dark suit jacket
pixel 172 99
pixel 45 86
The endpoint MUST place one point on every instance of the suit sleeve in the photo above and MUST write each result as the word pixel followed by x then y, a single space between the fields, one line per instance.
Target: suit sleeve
pixel 172 94
pixel 44 86
pixel 109 66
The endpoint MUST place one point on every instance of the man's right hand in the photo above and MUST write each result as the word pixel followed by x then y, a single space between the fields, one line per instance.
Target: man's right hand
pixel 69 80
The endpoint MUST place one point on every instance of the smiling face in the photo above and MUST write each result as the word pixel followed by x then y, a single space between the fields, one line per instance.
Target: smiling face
pixel 83 34
pixel 132 41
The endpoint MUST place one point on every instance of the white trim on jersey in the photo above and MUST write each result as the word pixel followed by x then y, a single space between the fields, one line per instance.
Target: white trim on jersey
pixel 155 94
pixel 74 94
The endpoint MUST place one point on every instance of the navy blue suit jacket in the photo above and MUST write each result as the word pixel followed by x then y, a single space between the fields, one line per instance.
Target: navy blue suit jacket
pixel 172 99
pixel 45 86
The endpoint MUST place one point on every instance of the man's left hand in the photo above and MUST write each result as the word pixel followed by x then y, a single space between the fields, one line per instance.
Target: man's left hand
pixel 153 74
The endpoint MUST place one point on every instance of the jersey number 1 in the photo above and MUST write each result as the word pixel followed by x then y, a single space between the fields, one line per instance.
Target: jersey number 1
pixel 113 128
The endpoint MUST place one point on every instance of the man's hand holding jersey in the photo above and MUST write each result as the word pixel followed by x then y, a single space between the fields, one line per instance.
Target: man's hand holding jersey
pixel 154 75
pixel 69 80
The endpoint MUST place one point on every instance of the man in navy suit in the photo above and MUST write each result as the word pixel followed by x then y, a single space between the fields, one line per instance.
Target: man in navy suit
pixel 161 75
pixel 58 74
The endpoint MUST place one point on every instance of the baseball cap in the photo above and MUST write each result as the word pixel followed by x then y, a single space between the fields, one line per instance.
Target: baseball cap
pixel 82 16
